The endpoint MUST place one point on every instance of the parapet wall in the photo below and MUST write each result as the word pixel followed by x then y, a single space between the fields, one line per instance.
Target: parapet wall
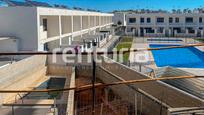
pixel 21 75
pixel 158 91
pixel 145 102
pixel 157 97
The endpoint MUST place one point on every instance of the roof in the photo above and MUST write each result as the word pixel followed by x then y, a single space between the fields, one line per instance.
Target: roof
pixel 192 86
pixel 26 3
pixel 17 3
pixel 35 3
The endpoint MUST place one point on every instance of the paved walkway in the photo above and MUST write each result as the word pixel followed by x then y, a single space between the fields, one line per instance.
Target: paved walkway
pixel 133 59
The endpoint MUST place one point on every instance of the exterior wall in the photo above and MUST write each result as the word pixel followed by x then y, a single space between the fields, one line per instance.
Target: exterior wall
pixel 77 23
pixel 97 21
pixel 85 22
pixel 119 17
pixel 26 24
pixel 53 26
pixel 9 45
pixel 20 22
pixel 42 32
pixel 169 29
pixel 66 24
pixel 53 44
pixel 132 95
pixel 156 88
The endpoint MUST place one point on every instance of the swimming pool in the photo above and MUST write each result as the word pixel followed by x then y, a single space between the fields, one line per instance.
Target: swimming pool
pixel 188 57
pixel 52 83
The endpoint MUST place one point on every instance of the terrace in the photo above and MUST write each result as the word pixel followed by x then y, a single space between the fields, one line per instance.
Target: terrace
pixel 117 99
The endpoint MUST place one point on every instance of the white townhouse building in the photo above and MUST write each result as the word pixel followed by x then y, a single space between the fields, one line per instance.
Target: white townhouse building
pixel 46 28
pixel 163 24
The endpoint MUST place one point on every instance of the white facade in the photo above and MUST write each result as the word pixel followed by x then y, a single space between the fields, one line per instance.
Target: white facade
pixel 165 24
pixel 8 44
pixel 40 28
pixel 119 19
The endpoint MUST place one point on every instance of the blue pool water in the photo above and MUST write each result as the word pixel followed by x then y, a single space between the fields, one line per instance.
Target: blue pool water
pixel 52 83
pixel 188 57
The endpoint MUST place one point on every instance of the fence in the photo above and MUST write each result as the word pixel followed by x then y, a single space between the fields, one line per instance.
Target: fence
pixel 168 40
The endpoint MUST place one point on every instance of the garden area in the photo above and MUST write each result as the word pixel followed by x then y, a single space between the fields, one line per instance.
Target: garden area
pixel 125 42
pixel 200 40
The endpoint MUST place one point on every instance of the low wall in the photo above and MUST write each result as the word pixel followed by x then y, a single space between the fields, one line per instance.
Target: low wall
pixel 156 95
pixel 58 70
pixel 20 75
pixel 157 89
pixel 146 104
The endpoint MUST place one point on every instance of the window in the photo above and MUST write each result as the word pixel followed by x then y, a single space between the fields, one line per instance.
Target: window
pixel 46 48
pixel 177 20
pixel 160 20
pixel 141 20
pixel 170 20
pixel 44 24
pixel 189 19
pixel 149 30
pixel 89 45
pixel 200 20
pixel 132 20
pixel 148 20
pixel 191 30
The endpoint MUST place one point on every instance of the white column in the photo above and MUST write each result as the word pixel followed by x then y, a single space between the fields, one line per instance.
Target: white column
pixel 89 25
pixel 72 24
pixel 85 47
pixel 99 20
pixel 187 31
pixel 145 32
pixel 170 32
pixel 175 33
pixel 164 31
pixel 139 32
pixel 155 31
pixel 196 32
pixel 202 33
pixel 126 30
pixel 81 22
pixel 70 40
pixel 60 30
pixel 81 26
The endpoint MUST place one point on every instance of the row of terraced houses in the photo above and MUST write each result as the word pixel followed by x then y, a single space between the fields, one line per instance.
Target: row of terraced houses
pixel 46 28
pixel 161 24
